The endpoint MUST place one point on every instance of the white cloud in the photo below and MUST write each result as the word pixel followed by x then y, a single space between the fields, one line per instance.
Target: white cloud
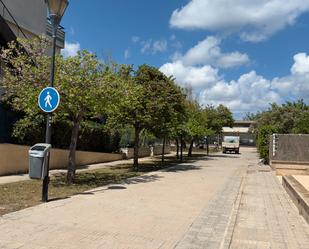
pixel 146 46
pixel 209 52
pixel 72 31
pixel 255 20
pixel 301 64
pixel 173 37
pixel 127 53
pixel 70 49
pixel 135 39
pixel 189 76
pixel 154 47
pixel 159 46
pixel 250 92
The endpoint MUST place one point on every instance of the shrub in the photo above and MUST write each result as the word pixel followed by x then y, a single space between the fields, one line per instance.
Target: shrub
pixel 263 138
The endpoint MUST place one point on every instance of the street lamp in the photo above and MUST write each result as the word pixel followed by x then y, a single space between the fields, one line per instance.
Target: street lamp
pixel 56 10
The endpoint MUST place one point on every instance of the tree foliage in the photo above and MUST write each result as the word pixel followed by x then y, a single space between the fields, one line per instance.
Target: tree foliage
pixel 291 117
pixel 79 79
pixel 147 100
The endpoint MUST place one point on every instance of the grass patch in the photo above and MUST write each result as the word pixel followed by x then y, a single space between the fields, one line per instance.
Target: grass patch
pixel 19 195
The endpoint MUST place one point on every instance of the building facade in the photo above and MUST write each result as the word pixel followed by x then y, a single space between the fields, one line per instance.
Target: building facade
pixel 22 19
pixel 28 19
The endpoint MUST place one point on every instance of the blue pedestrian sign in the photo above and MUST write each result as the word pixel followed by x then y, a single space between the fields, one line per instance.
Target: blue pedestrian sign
pixel 49 99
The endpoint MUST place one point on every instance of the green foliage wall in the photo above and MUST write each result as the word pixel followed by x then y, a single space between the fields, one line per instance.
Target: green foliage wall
pixel 289 118
pixel 264 134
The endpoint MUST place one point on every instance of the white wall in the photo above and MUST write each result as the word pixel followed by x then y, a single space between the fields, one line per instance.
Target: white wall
pixel 14 158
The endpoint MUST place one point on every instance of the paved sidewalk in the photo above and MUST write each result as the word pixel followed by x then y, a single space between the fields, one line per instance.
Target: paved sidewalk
pixel 251 211
pixel 151 211
pixel 24 177
pixel 225 201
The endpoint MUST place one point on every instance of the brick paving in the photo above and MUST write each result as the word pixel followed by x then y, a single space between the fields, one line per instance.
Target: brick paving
pixel 211 227
pixel 151 211
pixel 267 218
pixel 251 211
pixel 225 201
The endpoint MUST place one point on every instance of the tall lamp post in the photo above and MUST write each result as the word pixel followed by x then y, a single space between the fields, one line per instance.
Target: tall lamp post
pixel 56 10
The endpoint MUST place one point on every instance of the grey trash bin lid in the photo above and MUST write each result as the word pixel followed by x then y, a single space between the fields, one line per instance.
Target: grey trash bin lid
pixel 39 150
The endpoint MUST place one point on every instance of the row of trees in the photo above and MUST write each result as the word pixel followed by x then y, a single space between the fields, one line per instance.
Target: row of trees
pixel 116 95
pixel 291 117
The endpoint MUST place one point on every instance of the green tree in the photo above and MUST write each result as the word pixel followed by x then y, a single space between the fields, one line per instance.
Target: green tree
pixel 301 125
pixel 196 125
pixel 79 80
pixel 172 112
pixel 148 100
pixel 217 118
pixel 291 117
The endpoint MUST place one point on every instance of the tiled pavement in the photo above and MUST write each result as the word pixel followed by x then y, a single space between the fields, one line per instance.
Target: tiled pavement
pixel 224 201
pixel 251 211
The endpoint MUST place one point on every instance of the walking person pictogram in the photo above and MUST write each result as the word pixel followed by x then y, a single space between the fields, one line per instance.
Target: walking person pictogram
pixel 47 100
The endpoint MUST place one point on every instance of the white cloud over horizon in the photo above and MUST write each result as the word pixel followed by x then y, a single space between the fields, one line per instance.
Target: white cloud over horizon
pixel 250 92
pixel 70 49
pixel 254 20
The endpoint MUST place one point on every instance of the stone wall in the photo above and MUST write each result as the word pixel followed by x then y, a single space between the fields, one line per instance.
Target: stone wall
pixel 289 153
pixel 14 158
pixel 129 152
pixel 146 151
pixel 290 147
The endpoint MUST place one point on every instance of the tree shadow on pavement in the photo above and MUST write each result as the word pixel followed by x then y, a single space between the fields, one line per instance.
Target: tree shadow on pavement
pixel 142 179
pixel 225 156
pixel 183 167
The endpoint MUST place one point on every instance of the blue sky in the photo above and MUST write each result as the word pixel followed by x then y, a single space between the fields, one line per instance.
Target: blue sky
pixel 245 55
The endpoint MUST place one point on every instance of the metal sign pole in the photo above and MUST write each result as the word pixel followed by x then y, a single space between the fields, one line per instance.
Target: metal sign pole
pixel 49 117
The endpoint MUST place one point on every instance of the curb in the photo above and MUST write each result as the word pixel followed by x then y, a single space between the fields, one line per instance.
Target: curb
pixel 298 194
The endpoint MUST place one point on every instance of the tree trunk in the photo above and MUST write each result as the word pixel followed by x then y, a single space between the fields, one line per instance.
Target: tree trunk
pixel 190 148
pixel 163 148
pixel 177 148
pixel 136 147
pixel 207 145
pixel 72 155
pixel 181 144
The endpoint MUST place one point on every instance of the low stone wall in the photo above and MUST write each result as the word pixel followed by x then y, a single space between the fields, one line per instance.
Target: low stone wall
pixel 283 168
pixel 146 151
pixel 298 194
pixel 14 158
pixel 157 150
pixel 289 153
pixel 142 152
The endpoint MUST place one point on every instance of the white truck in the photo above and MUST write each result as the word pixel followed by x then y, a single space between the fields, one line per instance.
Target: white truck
pixel 230 143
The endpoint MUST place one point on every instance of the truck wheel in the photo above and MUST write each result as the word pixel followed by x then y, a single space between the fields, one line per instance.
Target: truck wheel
pixel 224 152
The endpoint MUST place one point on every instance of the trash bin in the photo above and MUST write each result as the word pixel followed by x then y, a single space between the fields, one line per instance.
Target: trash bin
pixel 38 155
